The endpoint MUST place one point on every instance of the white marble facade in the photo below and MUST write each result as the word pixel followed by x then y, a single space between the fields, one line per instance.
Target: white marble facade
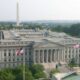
pixel 47 49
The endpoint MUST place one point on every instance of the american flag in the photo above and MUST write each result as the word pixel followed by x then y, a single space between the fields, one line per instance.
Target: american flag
pixel 76 46
pixel 19 51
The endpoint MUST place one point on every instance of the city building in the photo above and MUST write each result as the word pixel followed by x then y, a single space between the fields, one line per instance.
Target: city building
pixel 40 47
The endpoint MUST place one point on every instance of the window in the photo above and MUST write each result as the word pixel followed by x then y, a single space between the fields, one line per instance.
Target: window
pixel 65 51
pixel 13 50
pixel 4 65
pixel 21 42
pixel 9 59
pixel 25 52
pixel 9 65
pixel 73 51
pixel 69 56
pixel 9 54
pixel 22 54
pixel 65 56
pixel 5 43
pixel 4 54
pixel 76 51
pixel 13 64
pixel 30 58
pixel 79 55
pixel 5 60
pixel 13 42
pixel 13 54
pixel 26 58
pixel 29 51
pixel 17 59
pixel 21 59
pixel 13 59
pixel 69 50
pixel 9 43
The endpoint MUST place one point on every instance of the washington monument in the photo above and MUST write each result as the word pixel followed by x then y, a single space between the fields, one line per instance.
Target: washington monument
pixel 17 16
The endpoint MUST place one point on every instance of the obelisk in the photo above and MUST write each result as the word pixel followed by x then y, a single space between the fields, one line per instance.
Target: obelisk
pixel 17 14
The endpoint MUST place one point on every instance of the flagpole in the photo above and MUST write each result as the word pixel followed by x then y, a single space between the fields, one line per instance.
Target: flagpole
pixel 24 65
pixel 19 52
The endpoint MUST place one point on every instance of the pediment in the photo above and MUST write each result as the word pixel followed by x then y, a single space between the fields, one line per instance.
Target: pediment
pixel 48 44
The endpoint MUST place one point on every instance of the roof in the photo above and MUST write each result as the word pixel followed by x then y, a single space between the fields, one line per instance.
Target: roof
pixel 37 36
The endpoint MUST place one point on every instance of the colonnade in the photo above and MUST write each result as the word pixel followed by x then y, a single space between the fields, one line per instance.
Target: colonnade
pixel 47 55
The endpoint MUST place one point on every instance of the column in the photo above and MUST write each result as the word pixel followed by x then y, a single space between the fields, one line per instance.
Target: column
pixel 72 53
pixel 34 59
pixel 78 56
pixel 65 52
pixel 28 56
pixel 38 56
pixel 62 55
pixel 58 55
pixel 55 55
pixel 11 58
pixel 47 54
pixel 51 56
pixel 43 56
pixel 68 53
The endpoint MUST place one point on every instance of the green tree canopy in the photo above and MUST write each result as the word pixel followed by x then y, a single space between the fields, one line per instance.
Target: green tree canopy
pixel 18 72
pixel 6 75
pixel 72 62
pixel 38 71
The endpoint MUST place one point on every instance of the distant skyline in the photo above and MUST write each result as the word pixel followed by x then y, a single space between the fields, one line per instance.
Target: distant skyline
pixel 40 10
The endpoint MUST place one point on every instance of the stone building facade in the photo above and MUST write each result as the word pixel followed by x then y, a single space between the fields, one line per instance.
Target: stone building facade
pixel 41 47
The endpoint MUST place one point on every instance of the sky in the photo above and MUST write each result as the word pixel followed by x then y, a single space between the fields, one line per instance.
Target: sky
pixel 40 10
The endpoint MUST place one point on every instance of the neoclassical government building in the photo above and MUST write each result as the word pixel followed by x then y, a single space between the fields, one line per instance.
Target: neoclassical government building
pixel 41 47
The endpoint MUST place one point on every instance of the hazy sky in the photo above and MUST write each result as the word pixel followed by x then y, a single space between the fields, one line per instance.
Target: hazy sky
pixel 40 10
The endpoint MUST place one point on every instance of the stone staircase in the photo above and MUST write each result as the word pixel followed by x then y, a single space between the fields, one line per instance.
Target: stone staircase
pixel 64 69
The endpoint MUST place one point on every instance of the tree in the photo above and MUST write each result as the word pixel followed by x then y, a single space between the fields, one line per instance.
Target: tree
pixel 72 63
pixel 18 72
pixel 6 75
pixel 73 30
pixel 40 75
pixel 55 71
pixel 37 71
